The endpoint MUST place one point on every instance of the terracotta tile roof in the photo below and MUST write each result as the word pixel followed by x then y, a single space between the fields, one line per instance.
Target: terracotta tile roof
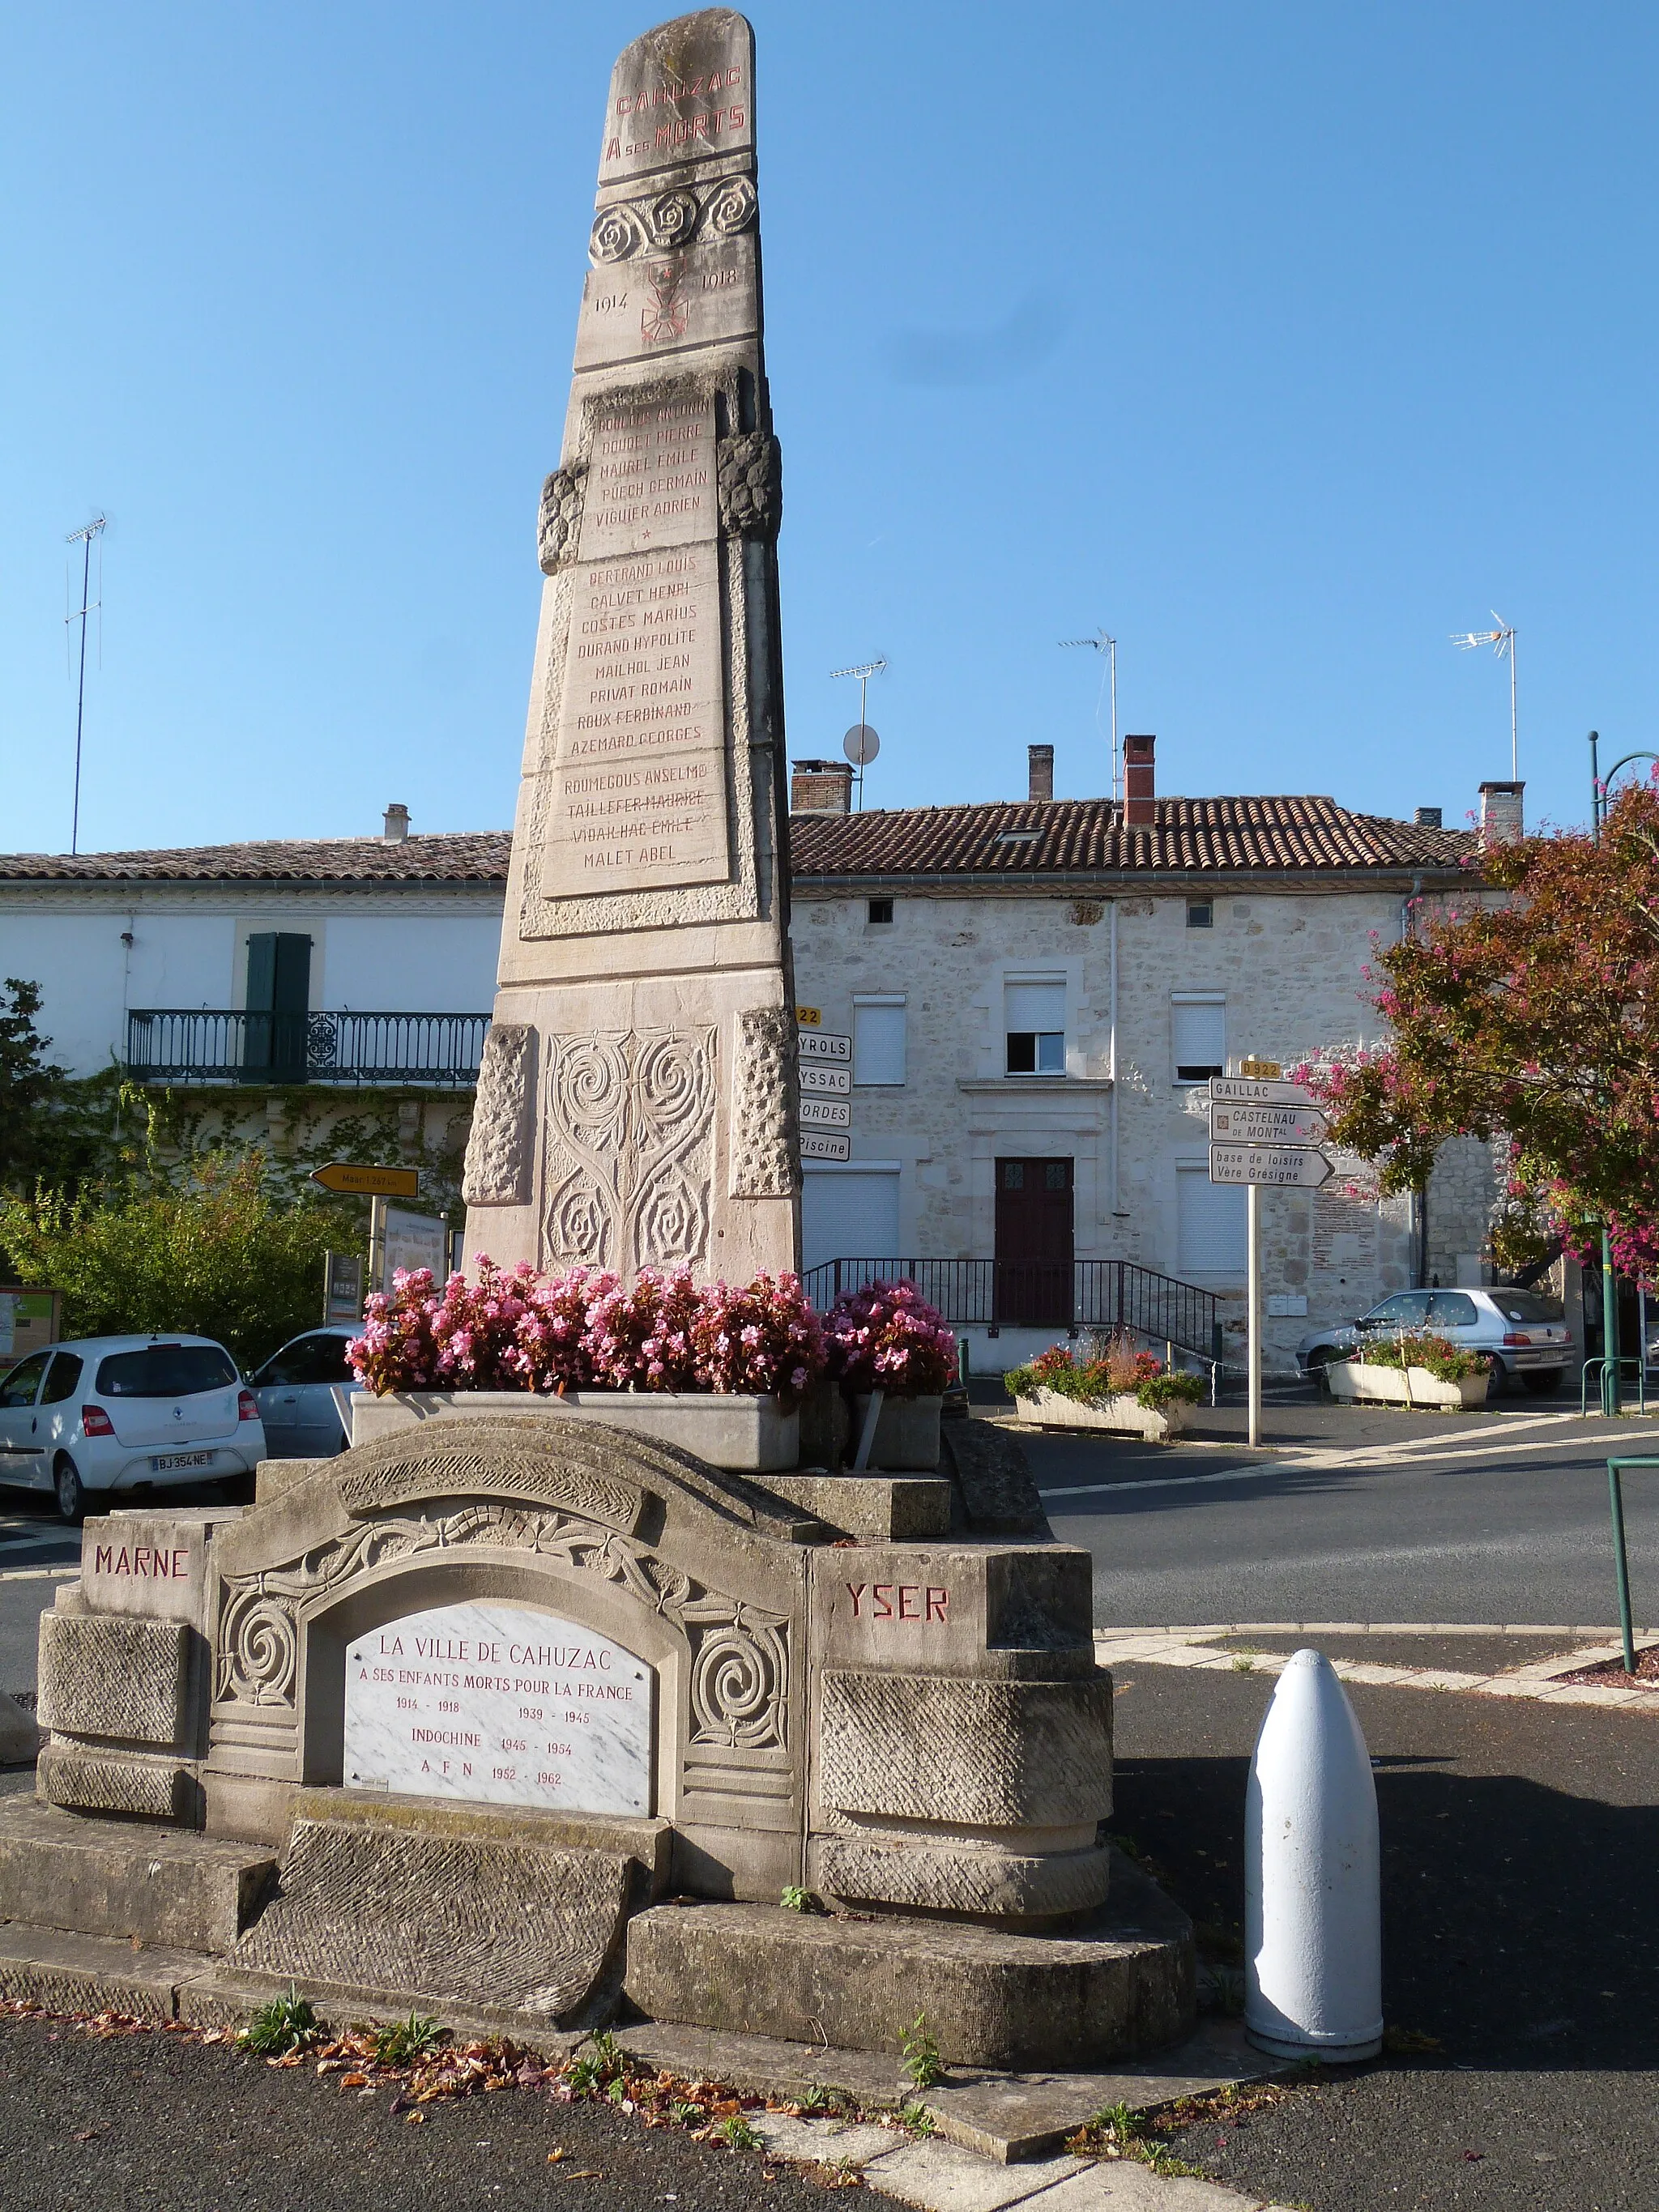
pixel 1080 836
pixel 462 856
pixel 1073 836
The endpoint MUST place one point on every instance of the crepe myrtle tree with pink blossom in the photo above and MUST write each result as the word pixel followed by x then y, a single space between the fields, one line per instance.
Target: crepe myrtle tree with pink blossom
pixel 886 1336
pixel 1533 1018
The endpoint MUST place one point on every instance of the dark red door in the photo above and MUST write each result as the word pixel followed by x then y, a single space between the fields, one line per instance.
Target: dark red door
pixel 1033 1243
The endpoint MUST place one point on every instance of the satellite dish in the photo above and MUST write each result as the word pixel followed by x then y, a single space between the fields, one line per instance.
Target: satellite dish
pixel 860 744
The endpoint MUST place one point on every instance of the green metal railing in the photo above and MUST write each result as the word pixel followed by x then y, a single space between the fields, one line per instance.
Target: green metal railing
pixel 1620 1559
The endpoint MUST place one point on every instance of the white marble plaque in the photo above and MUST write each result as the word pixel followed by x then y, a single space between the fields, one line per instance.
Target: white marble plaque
pixel 499 1702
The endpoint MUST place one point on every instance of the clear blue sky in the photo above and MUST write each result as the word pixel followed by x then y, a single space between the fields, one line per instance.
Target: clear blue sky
pixel 1283 340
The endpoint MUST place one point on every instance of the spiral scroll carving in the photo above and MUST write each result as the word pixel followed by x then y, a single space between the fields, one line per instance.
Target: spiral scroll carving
pixel 258 1649
pixel 738 1681
pixel 713 212
pixel 629 1127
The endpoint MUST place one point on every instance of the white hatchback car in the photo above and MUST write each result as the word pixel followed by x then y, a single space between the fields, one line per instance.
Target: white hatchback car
pixel 125 1413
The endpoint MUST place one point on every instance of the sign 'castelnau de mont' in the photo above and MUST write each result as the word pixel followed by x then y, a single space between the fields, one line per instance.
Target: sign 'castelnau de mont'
pixel 636 1102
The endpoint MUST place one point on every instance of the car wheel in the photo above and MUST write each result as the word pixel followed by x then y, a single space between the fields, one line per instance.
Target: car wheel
pixel 1543 1381
pixel 71 1491
pixel 1319 1360
pixel 1497 1376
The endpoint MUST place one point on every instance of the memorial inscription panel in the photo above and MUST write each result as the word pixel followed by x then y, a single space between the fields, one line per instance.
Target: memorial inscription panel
pixel 640 796
pixel 502 1703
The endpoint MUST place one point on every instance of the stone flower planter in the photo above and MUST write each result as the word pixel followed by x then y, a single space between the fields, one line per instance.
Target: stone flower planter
pixel 750 1436
pixel 907 1434
pixel 1353 1381
pixel 1123 1413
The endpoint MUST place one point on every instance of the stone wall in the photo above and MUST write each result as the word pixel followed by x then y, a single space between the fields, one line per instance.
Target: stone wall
pixel 1287 962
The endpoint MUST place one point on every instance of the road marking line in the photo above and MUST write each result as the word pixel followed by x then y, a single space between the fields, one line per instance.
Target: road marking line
pixel 1196 1648
pixel 1319 1462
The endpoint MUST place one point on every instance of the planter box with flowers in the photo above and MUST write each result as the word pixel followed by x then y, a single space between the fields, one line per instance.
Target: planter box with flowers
pixel 1411 1371
pixel 1127 1391
pixel 719 1372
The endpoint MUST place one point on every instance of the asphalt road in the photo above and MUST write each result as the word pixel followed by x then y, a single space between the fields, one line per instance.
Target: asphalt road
pixel 1358 1515
pixel 147 2120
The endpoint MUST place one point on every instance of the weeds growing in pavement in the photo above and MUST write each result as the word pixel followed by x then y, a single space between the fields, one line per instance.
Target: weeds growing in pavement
pixel 916 2119
pixel 596 2066
pixel 285 2024
pixel 736 2133
pixel 794 1899
pixel 922 2065
pixel 405 2040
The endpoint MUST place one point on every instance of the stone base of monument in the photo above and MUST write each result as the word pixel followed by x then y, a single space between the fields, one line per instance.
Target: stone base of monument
pixel 457 1709
pixel 1120 1979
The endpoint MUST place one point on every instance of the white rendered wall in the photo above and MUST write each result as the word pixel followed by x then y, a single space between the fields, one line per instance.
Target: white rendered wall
pixel 418 964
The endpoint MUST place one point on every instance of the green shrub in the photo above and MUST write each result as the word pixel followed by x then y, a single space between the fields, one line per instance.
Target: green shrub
pixel 285 2024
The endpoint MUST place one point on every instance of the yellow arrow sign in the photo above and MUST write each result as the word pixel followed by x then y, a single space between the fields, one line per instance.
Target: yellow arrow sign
pixel 374 1183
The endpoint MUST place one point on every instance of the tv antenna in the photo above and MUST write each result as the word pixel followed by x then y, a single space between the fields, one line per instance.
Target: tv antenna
pixel 83 537
pixel 861 745
pixel 1501 641
pixel 1102 643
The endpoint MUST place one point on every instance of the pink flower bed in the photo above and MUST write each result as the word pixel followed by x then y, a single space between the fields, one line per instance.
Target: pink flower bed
pixel 585 1330
pixel 885 1336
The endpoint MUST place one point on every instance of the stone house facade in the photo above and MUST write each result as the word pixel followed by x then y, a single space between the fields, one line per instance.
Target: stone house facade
pixel 1037 992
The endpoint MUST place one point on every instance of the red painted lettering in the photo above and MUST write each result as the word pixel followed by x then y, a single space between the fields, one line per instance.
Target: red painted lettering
pixel 101 1559
pixel 883 1595
pixel 908 1609
pixel 937 1602
pixel 856 1591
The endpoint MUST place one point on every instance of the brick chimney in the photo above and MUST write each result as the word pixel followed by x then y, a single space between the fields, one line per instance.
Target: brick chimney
pixel 396 828
pixel 1041 771
pixel 1501 817
pixel 821 786
pixel 1140 811
pixel 1427 817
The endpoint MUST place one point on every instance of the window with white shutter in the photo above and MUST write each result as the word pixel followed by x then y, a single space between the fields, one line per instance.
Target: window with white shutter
pixel 1210 1233
pixel 1034 1019
pixel 1198 1030
pixel 879 1040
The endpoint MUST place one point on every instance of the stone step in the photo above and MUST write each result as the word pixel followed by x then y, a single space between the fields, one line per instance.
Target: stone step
pixel 495 1923
pixel 125 1879
pixel 1122 1981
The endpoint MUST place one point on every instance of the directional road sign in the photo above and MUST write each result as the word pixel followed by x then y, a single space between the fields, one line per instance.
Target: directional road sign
pixel 1257 1091
pixel 370 1182
pixel 823 1044
pixel 838 1082
pixel 826 1113
pixel 1267 1125
pixel 824 1145
pixel 1285 1167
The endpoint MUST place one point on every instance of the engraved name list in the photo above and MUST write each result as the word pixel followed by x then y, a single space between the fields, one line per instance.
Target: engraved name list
pixel 640 797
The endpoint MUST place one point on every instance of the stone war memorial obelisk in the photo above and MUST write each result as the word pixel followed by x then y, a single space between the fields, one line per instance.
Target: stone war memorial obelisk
pixel 634 1107
pixel 443 1723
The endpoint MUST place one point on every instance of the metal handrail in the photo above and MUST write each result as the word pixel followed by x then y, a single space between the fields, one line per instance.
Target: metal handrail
pixel 1621 1360
pixel 203 1044
pixel 1106 1294
pixel 1621 1563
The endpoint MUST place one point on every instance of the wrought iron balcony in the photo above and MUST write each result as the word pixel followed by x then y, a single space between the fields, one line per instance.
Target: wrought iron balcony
pixel 228 1045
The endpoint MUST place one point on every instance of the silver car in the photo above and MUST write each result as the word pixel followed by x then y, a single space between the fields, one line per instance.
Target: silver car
pixel 302 1392
pixel 1520 1334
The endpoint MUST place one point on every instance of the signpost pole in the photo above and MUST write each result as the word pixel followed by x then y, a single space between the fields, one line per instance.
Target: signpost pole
pixel 376 1242
pixel 1252 1243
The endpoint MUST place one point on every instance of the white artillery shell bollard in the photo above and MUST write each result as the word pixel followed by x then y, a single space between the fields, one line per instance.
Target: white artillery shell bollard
pixel 1313 1918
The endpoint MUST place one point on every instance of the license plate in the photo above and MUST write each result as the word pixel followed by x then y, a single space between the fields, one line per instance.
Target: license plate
pixel 165 1461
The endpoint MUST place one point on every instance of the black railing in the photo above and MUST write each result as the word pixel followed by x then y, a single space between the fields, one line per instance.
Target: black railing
pixel 209 1045
pixel 1106 1294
